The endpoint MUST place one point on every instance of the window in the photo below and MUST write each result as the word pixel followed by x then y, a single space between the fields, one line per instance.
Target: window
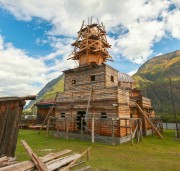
pixel 73 81
pixel 112 78
pixel 103 115
pixel 62 115
pixel 92 77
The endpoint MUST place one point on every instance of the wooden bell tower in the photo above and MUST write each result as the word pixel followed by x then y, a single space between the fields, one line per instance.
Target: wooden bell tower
pixel 91 45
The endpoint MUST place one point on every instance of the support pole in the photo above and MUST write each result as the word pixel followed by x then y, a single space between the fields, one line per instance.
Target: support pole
pixel 174 111
pixel 67 137
pixel 113 138
pixel 141 135
pixel 92 127
pixel 152 125
pixel 47 128
pixel 131 131
pixel 81 125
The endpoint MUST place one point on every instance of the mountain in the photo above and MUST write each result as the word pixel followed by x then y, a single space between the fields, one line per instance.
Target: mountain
pixel 153 78
pixel 49 91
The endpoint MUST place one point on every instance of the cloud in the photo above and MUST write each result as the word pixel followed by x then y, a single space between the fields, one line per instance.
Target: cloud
pixel 147 21
pixel 24 75
pixel 132 27
pixel 173 23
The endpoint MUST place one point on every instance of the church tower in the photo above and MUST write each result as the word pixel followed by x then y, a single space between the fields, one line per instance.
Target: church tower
pixel 91 45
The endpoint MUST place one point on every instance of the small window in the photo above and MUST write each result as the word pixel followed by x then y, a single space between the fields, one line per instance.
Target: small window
pixel 92 77
pixel 112 78
pixel 103 115
pixel 73 81
pixel 62 115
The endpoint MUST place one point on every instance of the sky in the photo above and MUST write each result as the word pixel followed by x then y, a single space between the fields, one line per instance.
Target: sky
pixel 36 36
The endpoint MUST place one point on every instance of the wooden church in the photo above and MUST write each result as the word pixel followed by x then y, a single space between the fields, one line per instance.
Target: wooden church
pixel 95 89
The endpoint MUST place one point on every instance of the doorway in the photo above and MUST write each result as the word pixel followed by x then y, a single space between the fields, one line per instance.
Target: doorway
pixel 81 114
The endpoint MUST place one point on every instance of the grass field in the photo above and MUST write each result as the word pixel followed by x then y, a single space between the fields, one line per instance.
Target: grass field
pixel 150 154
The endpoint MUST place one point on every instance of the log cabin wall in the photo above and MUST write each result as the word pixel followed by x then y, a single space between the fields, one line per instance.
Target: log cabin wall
pixel 111 77
pixel 84 77
pixel 102 101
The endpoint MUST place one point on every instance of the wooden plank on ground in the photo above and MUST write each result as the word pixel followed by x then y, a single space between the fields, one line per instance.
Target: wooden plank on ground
pixel 55 164
pixel 51 156
pixel 28 165
pixel 74 161
pixel 36 160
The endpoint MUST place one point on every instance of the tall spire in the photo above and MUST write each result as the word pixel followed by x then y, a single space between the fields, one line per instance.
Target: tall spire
pixel 91 44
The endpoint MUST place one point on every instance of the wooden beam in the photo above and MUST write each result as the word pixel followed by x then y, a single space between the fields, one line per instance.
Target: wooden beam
pixel 74 161
pixel 36 160
pixel 152 125
pixel 29 165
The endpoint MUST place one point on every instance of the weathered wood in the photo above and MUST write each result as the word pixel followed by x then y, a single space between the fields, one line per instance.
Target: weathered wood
pixel 74 161
pixel 153 127
pixel 29 165
pixel 90 96
pixel 47 116
pixel 113 138
pixel 10 114
pixel 61 162
pixel 92 131
pixel 36 160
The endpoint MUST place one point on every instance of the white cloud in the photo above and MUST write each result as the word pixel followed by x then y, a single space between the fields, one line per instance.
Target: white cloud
pixel 139 17
pixel 173 24
pixel 22 74
pixel 143 23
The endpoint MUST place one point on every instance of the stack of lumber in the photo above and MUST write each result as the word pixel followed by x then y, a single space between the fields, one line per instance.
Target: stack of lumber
pixel 5 161
pixel 50 162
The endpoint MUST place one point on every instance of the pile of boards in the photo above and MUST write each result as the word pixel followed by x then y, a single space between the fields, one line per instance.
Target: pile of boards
pixel 54 161
pixel 5 161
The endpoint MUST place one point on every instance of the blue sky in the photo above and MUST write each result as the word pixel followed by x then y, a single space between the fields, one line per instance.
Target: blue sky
pixel 36 36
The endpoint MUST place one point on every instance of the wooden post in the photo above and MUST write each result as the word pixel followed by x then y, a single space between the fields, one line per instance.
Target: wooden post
pixel 82 125
pixel 119 130
pixel 139 127
pixel 47 128
pixel 113 138
pixel 126 126
pixel 67 137
pixel 141 135
pixel 92 131
pixel 130 124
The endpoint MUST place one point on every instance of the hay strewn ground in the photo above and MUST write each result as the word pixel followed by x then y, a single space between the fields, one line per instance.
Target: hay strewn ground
pixel 150 154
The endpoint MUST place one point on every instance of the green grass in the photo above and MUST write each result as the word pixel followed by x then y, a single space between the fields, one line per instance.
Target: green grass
pixel 150 154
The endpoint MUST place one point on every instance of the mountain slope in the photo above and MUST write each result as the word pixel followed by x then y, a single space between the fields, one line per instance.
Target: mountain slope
pixel 153 79
pixel 49 91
